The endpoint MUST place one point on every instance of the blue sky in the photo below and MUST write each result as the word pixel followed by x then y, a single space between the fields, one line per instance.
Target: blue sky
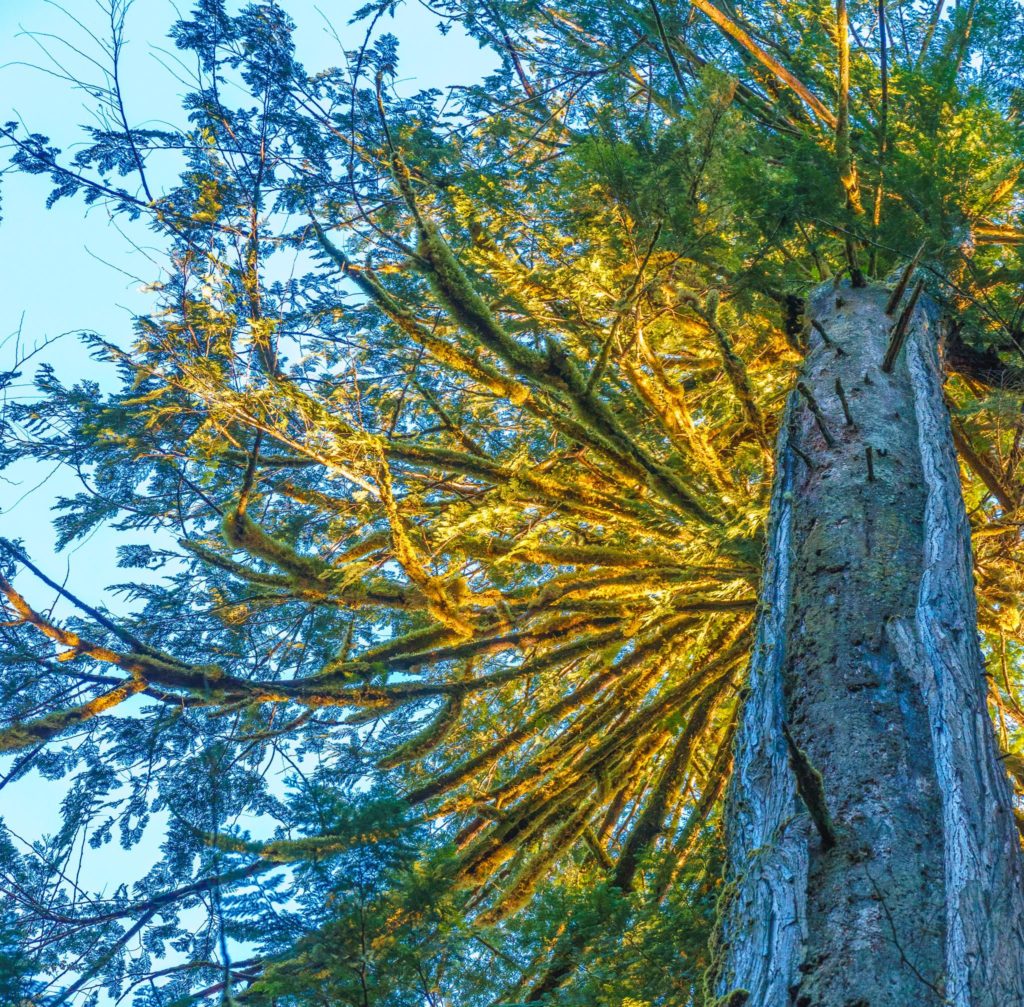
pixel 69 269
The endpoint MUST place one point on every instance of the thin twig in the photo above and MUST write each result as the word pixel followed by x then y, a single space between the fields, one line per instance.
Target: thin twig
pixel 819 416
pixel 827 339
pixel 842 401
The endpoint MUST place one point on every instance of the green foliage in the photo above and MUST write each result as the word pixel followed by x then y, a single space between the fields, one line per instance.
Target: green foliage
pixel 647 951
pixel 16 967
pixel 445 445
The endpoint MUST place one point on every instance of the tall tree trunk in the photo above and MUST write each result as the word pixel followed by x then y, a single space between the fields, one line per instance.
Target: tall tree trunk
pixel 907 886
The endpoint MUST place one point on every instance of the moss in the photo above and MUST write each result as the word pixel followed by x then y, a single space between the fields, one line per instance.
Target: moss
pixel 717 946
pixel 429 738
pixel 25 734
pixel 241 532
pixel 737 998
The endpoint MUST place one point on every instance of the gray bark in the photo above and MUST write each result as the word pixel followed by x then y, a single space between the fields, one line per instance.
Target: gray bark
pixel 867 649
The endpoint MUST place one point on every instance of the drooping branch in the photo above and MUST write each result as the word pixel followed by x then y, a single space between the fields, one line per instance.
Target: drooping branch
pixel 981 467
pixel 651 820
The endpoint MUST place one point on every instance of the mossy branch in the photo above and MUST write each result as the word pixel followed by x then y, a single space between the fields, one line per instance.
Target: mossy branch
pixel 28 733
pixel 651 820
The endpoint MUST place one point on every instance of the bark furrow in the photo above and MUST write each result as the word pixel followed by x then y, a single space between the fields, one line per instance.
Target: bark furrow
pixel 763 909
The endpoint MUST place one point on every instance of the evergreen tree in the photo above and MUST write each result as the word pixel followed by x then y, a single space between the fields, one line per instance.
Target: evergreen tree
pixel 528 469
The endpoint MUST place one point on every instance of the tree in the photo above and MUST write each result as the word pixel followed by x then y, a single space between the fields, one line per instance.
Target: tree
pixel 453 427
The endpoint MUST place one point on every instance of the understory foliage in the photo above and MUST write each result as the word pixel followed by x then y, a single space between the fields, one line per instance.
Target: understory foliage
pixel 440 467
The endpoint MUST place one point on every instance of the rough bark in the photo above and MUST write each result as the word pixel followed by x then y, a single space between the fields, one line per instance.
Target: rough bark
pixel 867 652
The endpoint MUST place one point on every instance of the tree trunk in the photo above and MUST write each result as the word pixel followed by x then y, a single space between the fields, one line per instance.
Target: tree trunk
pixel 907 886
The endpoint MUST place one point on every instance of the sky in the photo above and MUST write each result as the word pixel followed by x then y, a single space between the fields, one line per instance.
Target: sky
pixel 71 269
